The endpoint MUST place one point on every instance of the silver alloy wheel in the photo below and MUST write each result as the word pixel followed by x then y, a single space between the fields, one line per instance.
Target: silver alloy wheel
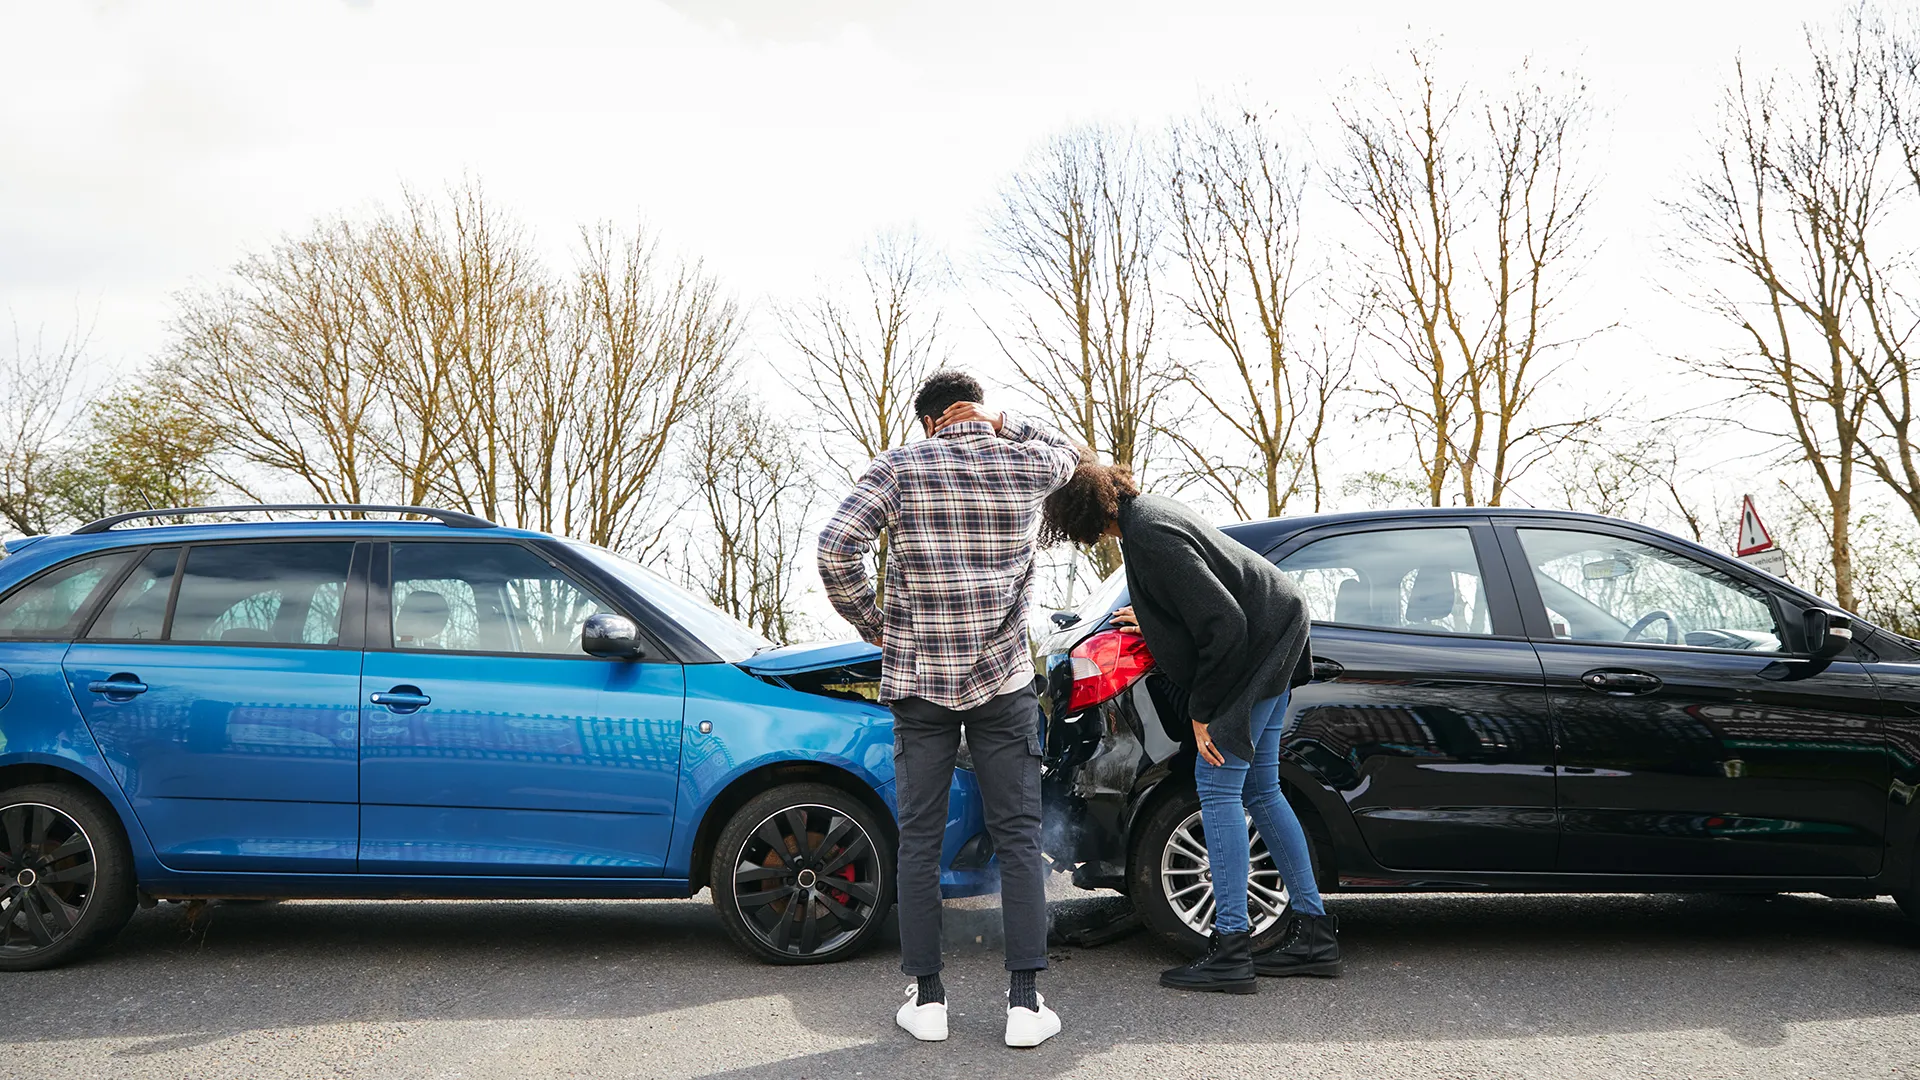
pixel 1186 879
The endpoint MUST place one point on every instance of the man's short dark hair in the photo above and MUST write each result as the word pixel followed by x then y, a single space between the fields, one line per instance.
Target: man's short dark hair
pixel 942 389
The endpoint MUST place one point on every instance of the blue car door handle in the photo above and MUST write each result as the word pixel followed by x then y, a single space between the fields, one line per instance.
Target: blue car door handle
pixel 401 699
pixel 119 687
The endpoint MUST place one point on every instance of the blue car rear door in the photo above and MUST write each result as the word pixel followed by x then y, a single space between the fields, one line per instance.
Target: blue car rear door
pixel 491 744
pixel 220 681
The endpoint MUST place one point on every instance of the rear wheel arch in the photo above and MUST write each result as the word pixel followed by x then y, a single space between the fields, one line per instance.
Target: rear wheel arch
pixel 745 787
pixel 22 773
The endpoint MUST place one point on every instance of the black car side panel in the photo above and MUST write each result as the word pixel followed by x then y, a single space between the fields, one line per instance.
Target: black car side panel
pixel 1440 746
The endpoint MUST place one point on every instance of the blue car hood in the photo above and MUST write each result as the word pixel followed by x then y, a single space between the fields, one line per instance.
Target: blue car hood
pixel 794 659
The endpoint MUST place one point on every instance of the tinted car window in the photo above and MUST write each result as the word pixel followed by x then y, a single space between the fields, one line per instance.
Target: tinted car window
pixel 50 606
pixel 138 610
pixel 486 598
pixel 1399 579
pixel 1603 588
pixel 282 593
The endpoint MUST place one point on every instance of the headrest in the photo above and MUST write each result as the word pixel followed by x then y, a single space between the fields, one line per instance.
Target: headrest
pixel 422 616
pixel 1433 594
pixel 1351 604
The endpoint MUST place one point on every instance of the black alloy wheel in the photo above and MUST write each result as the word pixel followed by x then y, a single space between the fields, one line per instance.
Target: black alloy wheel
pixel 803 874
pixel 66 876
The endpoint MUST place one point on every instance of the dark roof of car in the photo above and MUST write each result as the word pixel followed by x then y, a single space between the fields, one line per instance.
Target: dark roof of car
pixel 1269 530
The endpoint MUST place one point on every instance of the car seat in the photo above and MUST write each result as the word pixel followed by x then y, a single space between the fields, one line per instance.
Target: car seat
pixel 422 617
pixel 1431 599
pixel 1353 603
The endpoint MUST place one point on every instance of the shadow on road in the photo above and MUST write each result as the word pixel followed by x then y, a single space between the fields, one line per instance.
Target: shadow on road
pixel 1419 968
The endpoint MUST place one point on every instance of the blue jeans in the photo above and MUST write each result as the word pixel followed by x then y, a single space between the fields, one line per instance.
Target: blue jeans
pixel 1224 789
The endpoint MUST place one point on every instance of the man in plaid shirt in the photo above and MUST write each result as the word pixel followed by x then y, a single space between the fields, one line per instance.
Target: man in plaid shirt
pixel 961 512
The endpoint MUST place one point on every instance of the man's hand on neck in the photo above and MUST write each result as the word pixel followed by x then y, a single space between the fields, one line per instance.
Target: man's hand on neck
pixel 961 412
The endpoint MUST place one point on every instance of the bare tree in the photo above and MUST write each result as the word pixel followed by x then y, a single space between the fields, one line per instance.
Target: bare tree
pixel 1474 206
pixel 862 357
pixel 142 448
pixel 1236 195
pixel 1888 365
pixel 1779 230
pixel 1639 470
pixel 1075 241
pixel 754 484
pixel 278 361
pixel 40 396
pixel 428 357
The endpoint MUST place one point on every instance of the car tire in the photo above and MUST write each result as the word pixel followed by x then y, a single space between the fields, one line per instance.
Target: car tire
pixel 68 875
pixel 803 874
pixel 1169 837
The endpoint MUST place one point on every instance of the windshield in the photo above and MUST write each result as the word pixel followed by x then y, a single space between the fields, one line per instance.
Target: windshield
pixel 728 637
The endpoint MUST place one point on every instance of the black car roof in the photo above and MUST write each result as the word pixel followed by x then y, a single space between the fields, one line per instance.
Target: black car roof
pixel 1269 530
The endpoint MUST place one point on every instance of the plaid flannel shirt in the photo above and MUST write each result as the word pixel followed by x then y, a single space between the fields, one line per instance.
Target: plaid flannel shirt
pixel 961 511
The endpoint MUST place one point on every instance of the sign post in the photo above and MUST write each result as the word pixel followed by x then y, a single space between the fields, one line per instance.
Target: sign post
pixel 1755 544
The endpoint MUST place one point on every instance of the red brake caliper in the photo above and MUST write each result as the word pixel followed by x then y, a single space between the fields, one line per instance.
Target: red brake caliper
pixel 845 873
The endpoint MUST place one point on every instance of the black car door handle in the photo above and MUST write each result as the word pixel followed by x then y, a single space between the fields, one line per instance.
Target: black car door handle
pixel 120 687
pixel 401 699
pixel 1621 683
pixel 1325 670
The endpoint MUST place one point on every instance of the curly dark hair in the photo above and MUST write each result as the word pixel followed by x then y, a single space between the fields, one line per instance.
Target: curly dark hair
pixel 1081 510
pixel 942 389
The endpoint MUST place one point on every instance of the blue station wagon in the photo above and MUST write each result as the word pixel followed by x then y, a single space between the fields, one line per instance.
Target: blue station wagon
pixel 436 707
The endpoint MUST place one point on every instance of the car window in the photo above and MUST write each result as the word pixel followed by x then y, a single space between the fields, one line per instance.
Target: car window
pixel 271 594
pixel 1399 579
pixel 486 598
pixel 729 638
pixel 50 606
pixel 138 609
pixel 1603 588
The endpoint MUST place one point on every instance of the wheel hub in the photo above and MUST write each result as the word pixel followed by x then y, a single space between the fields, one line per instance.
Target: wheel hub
pixel 1186 879
pixel 807 879
pixel 26 877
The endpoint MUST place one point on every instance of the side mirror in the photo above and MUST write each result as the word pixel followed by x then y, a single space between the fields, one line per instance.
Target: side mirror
pixel 1828 632
pixel 612 636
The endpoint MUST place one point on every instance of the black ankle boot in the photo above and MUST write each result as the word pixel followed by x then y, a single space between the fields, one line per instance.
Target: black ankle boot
pixel 1227 968
pixel 1309 947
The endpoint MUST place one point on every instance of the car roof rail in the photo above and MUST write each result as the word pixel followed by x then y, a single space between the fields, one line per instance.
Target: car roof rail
pixel 453 519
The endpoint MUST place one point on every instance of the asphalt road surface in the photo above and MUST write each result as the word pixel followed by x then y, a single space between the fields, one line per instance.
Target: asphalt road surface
pixel 1437 986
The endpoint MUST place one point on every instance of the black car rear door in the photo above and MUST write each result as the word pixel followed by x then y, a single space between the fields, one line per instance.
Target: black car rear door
pixel 1681 750
pixel 1427 712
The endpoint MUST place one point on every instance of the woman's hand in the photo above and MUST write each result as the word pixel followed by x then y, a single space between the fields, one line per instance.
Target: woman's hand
pixel 1204 742
pixel 1123 619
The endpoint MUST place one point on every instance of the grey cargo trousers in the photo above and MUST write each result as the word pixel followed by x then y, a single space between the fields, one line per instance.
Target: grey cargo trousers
pixel 1004 737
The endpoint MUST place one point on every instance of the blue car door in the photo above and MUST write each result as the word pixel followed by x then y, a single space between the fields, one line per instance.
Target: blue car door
pixel 222 690
pixel 490 742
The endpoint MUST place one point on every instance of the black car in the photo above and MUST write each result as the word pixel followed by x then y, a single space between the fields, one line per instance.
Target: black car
pixel 1512 700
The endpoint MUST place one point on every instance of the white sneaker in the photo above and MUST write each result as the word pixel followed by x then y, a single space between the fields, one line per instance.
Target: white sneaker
pixel 928 1023
pixel 1028 1027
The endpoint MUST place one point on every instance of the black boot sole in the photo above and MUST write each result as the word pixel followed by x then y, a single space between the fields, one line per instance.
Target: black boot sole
pixel 1326 969
pixel 1234 986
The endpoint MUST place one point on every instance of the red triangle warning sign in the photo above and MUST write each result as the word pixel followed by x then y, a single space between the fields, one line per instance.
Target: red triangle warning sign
pixel 1754 537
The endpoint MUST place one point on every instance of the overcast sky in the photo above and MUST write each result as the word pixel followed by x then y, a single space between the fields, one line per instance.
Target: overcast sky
pixel 144 147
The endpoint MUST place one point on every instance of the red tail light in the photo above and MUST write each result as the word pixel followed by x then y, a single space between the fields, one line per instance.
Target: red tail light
pixel 1104 665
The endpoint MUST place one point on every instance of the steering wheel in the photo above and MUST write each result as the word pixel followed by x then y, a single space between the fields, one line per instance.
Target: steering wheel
pixel 1651 617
